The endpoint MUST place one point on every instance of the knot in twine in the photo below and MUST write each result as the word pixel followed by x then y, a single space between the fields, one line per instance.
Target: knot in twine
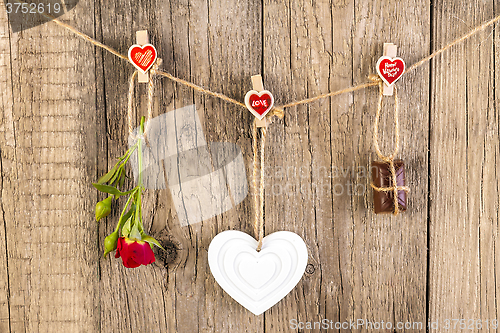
pixel 152 73
pixel 388 158
pixel 276 111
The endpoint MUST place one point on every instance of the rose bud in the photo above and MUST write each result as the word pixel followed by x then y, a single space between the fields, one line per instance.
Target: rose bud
pixel 110 243
pixel 103 208
pixel 134 253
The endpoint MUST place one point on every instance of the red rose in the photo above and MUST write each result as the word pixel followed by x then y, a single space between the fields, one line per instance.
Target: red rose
pixel 134 253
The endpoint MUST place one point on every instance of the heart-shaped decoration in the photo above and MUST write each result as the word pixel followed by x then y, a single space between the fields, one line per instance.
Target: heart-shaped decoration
pixel 390 69
pixel 257 280
pixel 259 103
pixel 142 57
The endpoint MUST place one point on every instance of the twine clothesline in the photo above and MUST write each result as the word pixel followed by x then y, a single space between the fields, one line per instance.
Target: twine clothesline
pixel 277 110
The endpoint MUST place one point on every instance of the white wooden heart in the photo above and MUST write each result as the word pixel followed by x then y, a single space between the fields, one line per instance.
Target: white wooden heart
pixel 257 280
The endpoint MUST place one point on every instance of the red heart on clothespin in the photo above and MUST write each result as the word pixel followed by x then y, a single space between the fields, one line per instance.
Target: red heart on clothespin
pixel 390 69
pixel 142 57
pixel 259 103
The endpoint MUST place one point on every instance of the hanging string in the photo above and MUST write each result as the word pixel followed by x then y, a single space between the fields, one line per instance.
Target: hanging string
pixel 131 89
pixel 258 195
pixel 277 110
pixel 389 158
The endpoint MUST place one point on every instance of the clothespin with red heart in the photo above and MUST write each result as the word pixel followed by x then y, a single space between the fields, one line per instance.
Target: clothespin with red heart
pixel 390 68
pixel 259 101
pixel 142 55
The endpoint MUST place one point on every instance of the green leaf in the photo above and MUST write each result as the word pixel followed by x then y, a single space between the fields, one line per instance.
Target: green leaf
pixel 109 175
pixel 151 240
pixel 122 179
pixel 126 227
pixel 122 215
pixel 118 174
pixel 134 232
pixel 112 190
pixel 126 216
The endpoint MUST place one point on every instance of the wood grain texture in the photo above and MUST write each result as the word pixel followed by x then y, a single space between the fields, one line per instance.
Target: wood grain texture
pixel 358 258
pixel 6 155
pixel 464 172
pixel 63 123
pixel 128 292
pixel 207 32
pixel 388 253
pixel 299 147
pixel 47 205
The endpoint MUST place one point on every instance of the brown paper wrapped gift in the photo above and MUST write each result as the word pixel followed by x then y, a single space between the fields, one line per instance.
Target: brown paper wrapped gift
pixel 383 201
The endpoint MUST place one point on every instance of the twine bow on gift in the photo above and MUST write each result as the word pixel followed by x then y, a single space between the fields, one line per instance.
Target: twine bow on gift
pixel 390 158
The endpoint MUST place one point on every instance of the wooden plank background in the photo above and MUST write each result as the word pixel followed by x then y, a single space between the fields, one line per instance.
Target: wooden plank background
pixel 62 124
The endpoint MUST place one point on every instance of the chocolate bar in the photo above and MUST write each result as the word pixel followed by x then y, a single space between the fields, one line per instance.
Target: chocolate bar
pixel 383 201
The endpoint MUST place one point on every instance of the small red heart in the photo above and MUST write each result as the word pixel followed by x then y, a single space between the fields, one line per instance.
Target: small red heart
pixel 390 69
pixel 259 103
pixel 142 57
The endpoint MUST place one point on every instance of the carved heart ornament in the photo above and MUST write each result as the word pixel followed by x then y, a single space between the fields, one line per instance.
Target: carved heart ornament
pixel 390 69
pixel 259 103
pixel 142 57
pixel 257 280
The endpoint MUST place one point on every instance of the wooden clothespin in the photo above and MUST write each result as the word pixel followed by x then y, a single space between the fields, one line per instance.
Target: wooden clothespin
pixel 390 68
pixel 141 38
pixel 142 55
pixel 390 50
pixel 259 101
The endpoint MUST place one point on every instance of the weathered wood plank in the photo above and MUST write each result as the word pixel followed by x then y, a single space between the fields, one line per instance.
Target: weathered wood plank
pixel 6 148
pixel 185 287
pixel 297 58
pixel 132 298
pixel 494 152
pixel 6 157
pixel 211 53
pixel 343 171
pixel 192 56
pixel 388 253
pixel 363 274
pixel 52 271
pixel 464 172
